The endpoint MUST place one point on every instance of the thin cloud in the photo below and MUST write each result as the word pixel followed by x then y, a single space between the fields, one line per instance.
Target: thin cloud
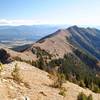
pixel 5 22
pixel 18 22
pixel 70 21
pixel 28 22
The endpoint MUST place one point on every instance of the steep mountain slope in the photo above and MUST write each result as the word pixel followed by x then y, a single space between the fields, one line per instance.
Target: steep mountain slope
pixel 32 83
pixel 63 41
pixel 86 38
pixel 56 44
pixel 73 52
pixel 83 43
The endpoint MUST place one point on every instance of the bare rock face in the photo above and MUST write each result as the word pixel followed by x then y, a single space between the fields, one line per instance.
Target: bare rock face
pixel 8 55
pixel 4 56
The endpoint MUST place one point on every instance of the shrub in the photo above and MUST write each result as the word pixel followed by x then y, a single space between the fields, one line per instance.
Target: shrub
pixel 62 92
pixel 81 83
pixel 1 67
pixel 59 81
pixel 82 96
pixel 96 89
pixel 90 97
pixel 26 84
pixel 16 74
pixel 17 58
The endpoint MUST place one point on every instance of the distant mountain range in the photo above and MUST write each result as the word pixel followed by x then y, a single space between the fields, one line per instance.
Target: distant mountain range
pixel 33 32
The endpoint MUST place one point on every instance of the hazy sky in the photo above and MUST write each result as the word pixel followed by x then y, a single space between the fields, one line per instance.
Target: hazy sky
pixel 79 12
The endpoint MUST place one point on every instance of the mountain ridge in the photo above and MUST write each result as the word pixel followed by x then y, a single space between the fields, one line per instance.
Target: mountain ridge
pixel 83 38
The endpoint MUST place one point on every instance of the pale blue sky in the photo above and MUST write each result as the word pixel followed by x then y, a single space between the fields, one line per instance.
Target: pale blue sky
pixel 79 12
